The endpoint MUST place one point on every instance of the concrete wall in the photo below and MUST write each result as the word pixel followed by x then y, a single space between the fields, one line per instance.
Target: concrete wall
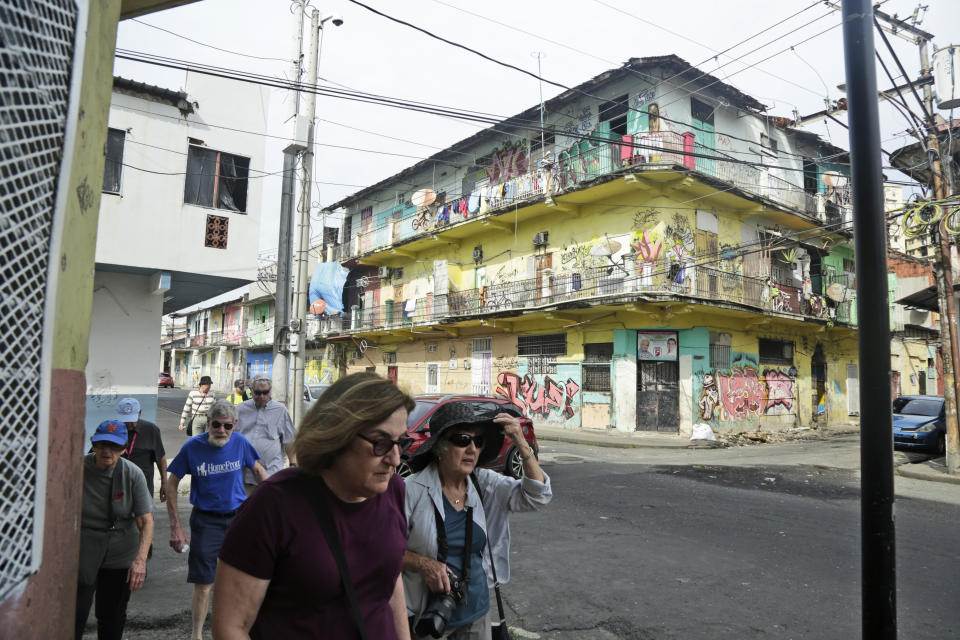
pixel 124 351
pixel 152 206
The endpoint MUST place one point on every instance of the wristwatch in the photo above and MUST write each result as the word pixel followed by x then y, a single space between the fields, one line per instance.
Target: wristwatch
pixel 527 457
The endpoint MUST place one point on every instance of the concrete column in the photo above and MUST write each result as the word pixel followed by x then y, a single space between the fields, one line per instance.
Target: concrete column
pixel 625 392
pixel 686 394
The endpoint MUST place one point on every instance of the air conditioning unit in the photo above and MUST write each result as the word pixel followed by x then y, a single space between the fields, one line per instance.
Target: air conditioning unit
pixel 540 239
pixel 478 254
pixel 383 272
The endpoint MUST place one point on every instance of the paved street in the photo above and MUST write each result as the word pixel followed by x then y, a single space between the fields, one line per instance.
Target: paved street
pixel 658 544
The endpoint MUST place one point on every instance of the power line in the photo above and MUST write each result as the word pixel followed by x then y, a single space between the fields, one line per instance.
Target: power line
pixel 446 112
pixel 204 44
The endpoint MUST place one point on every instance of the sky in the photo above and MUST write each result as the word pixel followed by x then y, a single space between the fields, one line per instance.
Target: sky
pixel 788 54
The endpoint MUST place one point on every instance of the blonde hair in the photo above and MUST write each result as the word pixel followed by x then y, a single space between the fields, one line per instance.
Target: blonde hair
pixel 350 405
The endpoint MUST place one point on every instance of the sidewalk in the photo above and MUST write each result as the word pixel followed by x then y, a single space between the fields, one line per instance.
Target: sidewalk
pixel 906 465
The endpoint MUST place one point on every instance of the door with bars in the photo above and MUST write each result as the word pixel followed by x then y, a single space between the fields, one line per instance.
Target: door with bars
pixel 658 396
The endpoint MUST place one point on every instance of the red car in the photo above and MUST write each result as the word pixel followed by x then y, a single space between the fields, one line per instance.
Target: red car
pixel 508 460
pixel 164 380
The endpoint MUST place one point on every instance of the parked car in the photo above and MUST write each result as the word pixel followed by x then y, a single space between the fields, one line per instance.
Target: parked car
pixel 919 423
pixel 312 391
pixel 165 380
pixel 507 461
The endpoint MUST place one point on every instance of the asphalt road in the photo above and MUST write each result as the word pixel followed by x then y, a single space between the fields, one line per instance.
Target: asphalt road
pixel 741 543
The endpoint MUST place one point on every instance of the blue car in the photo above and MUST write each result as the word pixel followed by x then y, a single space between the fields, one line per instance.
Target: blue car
pixel 918 423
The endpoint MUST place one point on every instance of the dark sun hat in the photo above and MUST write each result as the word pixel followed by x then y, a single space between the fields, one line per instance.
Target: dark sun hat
pixel 452 415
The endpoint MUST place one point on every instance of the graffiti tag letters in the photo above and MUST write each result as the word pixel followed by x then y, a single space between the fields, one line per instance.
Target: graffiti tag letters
pixel 742 393
pixel 535 399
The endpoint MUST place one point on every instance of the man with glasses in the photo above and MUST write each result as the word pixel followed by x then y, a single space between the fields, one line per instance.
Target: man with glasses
pixel 267 425
pixel 215 460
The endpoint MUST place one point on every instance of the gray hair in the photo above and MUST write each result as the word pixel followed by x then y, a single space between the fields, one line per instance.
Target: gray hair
pixel 222 409
pixel 261 380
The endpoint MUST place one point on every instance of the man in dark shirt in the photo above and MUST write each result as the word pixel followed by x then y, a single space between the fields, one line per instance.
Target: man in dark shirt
pixel 144 445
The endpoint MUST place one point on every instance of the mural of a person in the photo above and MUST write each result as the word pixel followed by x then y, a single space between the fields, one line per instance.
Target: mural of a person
pixel 709 398
pixel 654 124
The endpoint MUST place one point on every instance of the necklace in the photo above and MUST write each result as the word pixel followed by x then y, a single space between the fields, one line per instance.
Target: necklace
pixel 456 501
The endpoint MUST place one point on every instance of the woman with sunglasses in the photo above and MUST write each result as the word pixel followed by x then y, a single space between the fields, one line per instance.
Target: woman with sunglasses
pixel 278 575
pixel 450 523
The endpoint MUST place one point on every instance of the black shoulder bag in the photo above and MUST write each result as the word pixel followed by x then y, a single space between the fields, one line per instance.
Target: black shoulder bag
pixel 498 631
pixel 333 541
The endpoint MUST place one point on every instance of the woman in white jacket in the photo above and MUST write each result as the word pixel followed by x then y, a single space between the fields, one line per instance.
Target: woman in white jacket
pixel 449 524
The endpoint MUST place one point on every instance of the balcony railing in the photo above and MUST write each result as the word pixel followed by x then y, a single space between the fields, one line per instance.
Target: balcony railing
pixel 595 284
pixel 581 163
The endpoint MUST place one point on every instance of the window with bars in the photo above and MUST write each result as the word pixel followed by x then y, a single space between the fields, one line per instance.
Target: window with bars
pixel 598 352
pixel 549 344
pixel 216 179
pixel 596 377
pixel 482 345
pixel 113 167
pixel 720 350
pixel 776 351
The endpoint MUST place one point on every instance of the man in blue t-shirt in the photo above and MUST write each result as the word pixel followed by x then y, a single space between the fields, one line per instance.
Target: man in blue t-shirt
pixel 215 460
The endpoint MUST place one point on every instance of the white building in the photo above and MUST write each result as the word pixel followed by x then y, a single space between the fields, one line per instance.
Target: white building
pixel 179 222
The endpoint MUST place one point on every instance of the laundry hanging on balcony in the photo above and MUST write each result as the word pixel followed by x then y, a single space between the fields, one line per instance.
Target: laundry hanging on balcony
pixel 327 285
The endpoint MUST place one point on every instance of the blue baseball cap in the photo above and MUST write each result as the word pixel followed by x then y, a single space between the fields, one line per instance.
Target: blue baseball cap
pixel 111 431
pixel 128 410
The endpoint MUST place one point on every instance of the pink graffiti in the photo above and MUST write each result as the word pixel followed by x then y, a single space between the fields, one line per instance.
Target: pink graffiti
pixel 742 394
pixel 779 389
pixel 535 399
pixel 508 162
pixel 647 249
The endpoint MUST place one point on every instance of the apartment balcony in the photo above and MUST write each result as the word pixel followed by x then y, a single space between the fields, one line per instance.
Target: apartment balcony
pixel 583 163
pixel 594 286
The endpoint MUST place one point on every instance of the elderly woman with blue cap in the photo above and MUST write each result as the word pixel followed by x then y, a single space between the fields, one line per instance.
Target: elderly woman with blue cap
pixel 458 521
pixel 115 534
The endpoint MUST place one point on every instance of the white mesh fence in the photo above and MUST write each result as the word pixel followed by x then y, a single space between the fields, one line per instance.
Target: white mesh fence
pixel 36 57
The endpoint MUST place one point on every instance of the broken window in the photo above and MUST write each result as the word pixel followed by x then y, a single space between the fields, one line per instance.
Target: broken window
pixel 113 167
pixel 775 351
pixel 216 179
pixel 615 112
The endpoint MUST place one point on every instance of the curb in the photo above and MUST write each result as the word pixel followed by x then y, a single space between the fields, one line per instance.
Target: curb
pixel 926 473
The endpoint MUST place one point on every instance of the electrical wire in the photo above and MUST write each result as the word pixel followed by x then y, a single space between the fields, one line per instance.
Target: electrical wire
pixel 204 44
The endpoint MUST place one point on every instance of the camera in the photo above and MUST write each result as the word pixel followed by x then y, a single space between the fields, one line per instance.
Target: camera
pixel 433 622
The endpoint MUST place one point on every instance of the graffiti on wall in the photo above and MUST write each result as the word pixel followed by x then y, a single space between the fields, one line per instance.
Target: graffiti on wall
pixel 663 249
pixel 581 124
pixel 538 400
pixel 743 393
pixel 509 161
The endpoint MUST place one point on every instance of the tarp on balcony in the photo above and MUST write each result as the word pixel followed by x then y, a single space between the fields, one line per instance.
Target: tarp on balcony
pixel 327 285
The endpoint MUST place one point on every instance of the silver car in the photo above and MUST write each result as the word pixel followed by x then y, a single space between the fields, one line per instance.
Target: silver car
pixel 311 392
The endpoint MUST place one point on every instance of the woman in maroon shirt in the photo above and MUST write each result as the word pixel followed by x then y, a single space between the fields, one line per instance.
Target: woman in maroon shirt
pixel 277 577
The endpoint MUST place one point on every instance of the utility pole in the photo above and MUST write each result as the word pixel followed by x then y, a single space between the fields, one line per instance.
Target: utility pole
pixel 948 305
pixel 877 549
pixel 281 323
pixel 301 285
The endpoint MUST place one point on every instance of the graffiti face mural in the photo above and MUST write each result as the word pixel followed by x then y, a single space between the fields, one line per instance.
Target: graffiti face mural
pixel 538 400
pixel 743 393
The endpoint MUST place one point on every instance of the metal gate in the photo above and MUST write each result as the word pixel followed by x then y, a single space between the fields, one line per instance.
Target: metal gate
pixel 658 396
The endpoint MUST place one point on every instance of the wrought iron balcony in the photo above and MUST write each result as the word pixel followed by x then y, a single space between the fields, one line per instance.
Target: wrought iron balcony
pixel 582 163
pixel 595 285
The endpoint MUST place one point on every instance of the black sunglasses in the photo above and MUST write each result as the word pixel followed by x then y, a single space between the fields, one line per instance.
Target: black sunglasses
pixel 382 446
pixel 464 440
pixel 259 392
pixel 225 425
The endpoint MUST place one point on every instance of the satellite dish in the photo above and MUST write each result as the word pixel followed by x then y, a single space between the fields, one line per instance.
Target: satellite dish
pixel 605 248
pixel 424 197
pixel 837 292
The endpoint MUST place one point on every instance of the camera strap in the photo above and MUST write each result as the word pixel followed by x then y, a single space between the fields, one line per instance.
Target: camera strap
pixel 333 541
pixel 442 547
pixel 493 568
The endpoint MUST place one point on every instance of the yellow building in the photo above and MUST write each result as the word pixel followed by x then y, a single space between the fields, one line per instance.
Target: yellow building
pixel 663 256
